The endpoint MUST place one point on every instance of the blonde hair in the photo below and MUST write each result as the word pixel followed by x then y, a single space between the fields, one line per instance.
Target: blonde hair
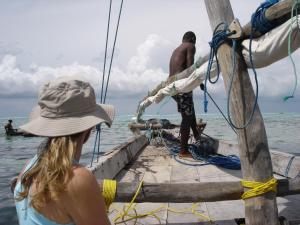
pixel 51 172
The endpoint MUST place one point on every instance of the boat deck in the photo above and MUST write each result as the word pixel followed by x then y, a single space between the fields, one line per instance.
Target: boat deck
pixel 155 165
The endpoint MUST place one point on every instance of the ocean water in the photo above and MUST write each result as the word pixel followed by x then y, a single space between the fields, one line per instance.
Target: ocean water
pixel 282 129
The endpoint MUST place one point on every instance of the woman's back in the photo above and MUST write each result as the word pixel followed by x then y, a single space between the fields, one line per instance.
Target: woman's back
pixel 52 214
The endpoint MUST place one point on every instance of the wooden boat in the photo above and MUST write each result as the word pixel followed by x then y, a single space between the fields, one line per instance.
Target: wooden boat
pixel 170 189
pixel 21 133
pixel 173 189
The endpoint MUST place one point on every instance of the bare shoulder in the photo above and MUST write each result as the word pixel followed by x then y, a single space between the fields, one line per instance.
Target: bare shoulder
pixel 190 46
pixel 82 179
pixel 83 199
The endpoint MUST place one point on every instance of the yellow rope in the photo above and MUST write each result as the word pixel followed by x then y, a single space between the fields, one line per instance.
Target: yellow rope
pixel 123 216
pixel 110 188
pixel 125 212
pixel 258 188
pixel 109 191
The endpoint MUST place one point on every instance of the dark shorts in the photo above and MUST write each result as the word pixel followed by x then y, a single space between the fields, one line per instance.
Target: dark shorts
pixel 185 103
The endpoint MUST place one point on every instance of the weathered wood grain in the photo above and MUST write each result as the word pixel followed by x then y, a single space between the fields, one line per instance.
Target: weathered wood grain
pixel 194 192
pixel 110 164
pixel 253 146
pixel 284 164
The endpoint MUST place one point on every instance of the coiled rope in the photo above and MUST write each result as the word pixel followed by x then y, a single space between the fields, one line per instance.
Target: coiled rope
pixel 109 190
pixel 220 35
pixel 258 23
pixel 258 188
pixel 228 162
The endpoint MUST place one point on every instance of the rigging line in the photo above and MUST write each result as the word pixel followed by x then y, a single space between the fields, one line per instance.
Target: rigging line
pixel 294 19
pixel 94 151
pixel 113 50
pixel 104 63
pixel 231 83
pixel 98 127
pixel 211 98
pixel 98 134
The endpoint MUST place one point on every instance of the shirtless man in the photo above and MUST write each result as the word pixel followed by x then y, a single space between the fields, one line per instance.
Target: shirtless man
pixel 9 130
pixel 182 58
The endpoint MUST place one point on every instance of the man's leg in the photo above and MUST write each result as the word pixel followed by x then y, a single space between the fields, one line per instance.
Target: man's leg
pixel 194 126
pixel 185 132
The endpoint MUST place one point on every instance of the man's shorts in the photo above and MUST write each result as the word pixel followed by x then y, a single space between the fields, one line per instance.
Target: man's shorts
pixel 185 103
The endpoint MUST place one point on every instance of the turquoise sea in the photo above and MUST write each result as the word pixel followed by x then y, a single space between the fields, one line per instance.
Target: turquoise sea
pixel 282 129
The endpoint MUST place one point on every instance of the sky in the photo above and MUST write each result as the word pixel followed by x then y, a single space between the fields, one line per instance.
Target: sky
pixel 41 40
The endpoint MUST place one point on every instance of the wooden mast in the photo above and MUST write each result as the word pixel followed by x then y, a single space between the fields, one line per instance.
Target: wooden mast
pixel 253 145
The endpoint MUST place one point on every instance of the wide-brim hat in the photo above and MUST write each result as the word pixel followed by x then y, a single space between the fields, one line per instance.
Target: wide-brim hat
pixel 67 106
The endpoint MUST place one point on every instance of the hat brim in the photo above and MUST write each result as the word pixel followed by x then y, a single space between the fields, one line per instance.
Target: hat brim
pixel 55 127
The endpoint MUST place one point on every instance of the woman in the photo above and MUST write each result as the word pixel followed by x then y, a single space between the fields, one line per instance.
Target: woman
pixel 53 187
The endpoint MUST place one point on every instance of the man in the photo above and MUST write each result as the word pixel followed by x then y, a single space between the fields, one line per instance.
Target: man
pixel 9 130
pixel 182 58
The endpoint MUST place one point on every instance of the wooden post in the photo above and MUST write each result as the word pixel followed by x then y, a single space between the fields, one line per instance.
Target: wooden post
pixel 253 146
pixel 210 191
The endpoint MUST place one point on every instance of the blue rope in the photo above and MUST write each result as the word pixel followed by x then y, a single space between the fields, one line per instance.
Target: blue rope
pixel 261 24
pixel 258 23
pixel 219 37
pixel 211 98
pixel 258 20
pixel 228 162
pixel 287 170
pixel 94 151
pixel 230 88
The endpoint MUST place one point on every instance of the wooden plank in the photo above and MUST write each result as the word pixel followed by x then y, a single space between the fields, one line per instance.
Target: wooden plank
pixel 181 213
pixel 284 164
pixel 211 173
pixel 226 210
pixel 140 209
pixel 253 145
pixel 289 207
pixel 111 163
pixel 197 192
pixel 153 156
pixel 184 174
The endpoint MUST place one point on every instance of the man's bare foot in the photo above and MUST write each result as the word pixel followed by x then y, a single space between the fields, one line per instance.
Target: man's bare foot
pixel 185 154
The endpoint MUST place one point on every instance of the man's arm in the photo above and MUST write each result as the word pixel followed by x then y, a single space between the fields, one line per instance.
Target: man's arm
pixel 191 50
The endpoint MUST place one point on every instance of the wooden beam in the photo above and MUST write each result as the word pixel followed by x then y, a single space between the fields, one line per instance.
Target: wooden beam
pixel 253 145
pixel 197 192
pixel 156 126
pixel 279 12
pixel 112 162
pixel 284 164
pixel 185 73
pixel 144 126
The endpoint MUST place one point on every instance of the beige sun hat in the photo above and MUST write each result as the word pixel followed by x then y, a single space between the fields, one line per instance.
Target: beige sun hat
pixel 67 106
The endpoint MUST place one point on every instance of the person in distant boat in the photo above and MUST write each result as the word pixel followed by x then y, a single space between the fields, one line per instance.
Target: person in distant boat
pixel 9 130
pixel 182 58
pixel 53 187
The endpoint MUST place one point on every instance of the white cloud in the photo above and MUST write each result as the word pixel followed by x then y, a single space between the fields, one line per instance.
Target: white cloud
pixel 144 71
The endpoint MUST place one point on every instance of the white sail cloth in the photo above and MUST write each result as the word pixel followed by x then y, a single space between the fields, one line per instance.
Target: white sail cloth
pixel 266 50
